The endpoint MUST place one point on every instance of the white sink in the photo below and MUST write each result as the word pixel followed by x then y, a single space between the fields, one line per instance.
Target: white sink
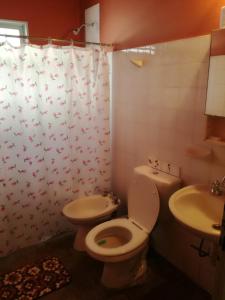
pixel 195 207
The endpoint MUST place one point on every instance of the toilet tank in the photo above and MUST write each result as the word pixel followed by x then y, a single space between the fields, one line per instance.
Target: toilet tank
pixel 166 185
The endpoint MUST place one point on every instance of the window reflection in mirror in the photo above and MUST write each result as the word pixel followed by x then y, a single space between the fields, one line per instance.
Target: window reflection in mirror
pixel 215 102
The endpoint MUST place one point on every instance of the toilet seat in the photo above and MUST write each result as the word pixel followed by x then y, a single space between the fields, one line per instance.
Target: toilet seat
pixel 137 238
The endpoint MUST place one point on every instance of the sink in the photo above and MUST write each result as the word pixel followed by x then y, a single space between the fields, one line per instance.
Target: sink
pixel 196 208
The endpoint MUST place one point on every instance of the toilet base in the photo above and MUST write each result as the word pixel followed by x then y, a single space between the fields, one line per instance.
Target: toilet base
pixel 79 240
pixel 125 273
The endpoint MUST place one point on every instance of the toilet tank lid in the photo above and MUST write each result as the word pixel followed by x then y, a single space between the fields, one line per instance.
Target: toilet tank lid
pixel 158 177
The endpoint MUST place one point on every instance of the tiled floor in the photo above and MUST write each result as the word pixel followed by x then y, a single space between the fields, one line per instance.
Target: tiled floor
pixel 163 281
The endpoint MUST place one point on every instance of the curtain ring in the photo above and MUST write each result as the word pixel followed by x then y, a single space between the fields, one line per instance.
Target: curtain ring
pixel 49 41
pixel 25 41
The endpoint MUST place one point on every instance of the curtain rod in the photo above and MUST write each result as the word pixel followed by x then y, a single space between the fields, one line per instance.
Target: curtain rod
pixel 55 40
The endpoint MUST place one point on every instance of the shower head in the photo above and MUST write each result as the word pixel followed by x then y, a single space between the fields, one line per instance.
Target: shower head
pixel 76 31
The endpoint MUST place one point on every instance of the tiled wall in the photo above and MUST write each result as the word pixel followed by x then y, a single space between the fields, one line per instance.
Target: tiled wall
pixel 159 110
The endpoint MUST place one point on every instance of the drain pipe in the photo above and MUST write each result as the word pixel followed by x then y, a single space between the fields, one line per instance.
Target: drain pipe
pixel 200 250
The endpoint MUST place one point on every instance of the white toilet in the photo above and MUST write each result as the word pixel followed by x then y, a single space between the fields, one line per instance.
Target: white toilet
pixel 122 243
pixel 87 212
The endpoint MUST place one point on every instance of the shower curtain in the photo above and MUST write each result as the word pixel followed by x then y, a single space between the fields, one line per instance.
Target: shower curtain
pixel 54 137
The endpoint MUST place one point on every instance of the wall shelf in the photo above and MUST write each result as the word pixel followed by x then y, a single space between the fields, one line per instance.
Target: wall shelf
pixel 215 130
pixel 198 152
pixel 215 142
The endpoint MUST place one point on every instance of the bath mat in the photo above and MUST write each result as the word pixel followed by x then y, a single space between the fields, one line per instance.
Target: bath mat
pixel 33 281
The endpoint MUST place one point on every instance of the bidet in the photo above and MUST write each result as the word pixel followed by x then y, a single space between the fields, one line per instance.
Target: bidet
pixel 87 212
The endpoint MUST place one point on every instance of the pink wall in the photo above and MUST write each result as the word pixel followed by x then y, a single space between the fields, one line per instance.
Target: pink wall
pixel 130 23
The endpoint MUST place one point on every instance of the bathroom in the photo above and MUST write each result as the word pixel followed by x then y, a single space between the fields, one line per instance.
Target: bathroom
pixel 159 81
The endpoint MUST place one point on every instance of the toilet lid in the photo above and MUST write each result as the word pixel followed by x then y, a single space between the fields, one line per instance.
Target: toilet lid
pixel 143 200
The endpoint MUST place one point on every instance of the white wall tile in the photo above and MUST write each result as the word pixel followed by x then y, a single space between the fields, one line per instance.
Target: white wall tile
pixel 159 110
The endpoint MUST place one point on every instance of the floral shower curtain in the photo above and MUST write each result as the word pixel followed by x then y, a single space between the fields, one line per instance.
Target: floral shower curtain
pixel 54 137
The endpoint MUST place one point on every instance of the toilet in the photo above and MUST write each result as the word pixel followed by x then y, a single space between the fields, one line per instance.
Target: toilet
pixel 87 212
pixel 122 243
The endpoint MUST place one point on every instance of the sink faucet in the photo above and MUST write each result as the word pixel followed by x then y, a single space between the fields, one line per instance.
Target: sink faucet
pixel 218 187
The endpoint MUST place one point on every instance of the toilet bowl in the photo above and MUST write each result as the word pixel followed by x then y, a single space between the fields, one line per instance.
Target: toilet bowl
pixel 115 240
pixel 122 243
pixel 87 212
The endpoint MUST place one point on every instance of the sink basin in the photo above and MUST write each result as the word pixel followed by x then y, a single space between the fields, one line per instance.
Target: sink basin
pixel 195 207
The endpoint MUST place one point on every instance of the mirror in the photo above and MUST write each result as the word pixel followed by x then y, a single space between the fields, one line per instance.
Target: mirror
pixel 215 101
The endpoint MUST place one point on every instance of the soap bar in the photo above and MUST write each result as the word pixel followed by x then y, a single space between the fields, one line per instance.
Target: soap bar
pixel 215 138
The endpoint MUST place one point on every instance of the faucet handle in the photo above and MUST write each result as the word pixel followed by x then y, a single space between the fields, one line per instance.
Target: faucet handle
pixel 223 181
pixel 215 183
pixel 114 197
pixel 216 188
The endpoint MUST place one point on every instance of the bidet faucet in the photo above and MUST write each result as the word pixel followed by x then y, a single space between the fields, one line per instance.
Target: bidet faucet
pixel 115 199
pixel 218 187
